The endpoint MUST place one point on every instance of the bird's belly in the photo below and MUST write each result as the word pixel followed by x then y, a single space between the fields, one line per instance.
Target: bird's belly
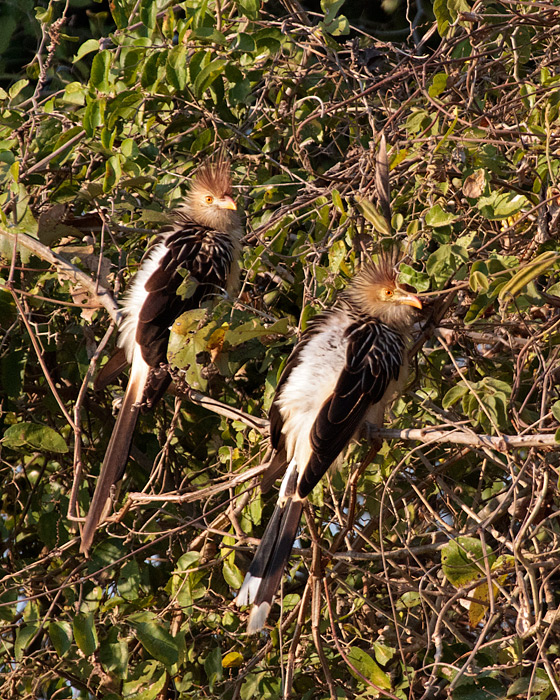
pixel 134 299
pixel 310 384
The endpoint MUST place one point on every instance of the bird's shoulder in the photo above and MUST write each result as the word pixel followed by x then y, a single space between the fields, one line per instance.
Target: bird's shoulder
pixel 375 344
pixel 186 244
pixel 182 227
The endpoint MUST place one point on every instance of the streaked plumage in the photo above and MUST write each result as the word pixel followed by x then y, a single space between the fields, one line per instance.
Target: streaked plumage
pixel 201 247
pixel 349 365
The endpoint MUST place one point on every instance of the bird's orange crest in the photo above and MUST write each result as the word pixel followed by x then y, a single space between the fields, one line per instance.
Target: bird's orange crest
pixel 214 177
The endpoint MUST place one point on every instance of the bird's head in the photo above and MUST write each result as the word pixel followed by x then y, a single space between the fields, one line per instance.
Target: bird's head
pixel 210 199
pixel 376 292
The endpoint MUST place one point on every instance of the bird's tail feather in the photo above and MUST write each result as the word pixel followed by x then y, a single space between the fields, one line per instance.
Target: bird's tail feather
pixel 265 573
pixel 114 464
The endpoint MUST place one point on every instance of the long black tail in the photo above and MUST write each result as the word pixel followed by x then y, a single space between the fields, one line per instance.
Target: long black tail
pixel 266 570
pixel 114 463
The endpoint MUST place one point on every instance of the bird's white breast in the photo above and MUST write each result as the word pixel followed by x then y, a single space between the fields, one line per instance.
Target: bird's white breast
pixel 310 384
pixel 134 299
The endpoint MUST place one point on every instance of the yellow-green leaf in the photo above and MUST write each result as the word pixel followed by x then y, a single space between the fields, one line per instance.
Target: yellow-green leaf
pixel 232 659
pixel 539 266
pixel 374 216
pixel 368 668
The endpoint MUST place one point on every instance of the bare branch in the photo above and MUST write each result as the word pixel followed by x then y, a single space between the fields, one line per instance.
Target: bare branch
pixel 99 294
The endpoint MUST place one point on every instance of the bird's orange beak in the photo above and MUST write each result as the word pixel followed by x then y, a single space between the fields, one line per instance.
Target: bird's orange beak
pixel 411 300
pixel 227 203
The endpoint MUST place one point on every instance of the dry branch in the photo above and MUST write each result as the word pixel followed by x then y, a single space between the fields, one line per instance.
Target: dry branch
pixel 100 295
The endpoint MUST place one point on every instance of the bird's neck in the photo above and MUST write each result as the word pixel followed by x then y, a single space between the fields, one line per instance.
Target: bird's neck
pixel 221 220
pixel 398 317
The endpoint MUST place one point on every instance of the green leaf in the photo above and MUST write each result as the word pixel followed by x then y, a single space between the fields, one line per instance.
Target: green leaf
pixel 338 26
pixel 75 94
pixel 556 410
pixel 478 281
pixel 146 683
pixel 155 638
pixel 463 560
pixel 453 395
pixel 541 265
pixel 374 216
pixel 383 653
pixel 187 339
pixel 232 575
pixel 240 91
pixel 24 635
pixel 99 75
pixel 176 67
pixel 129 581
pixel 17 87
pixel 148 12
pixel 368 668
pixel 85 633
pixel 439 83
pixel 250 8
pixel 501 205
pixel 419 280
pixel 447 11
pixel 93 116
pixel 530 686
pixel 213 667
pixel 87 47
pixel 445 261
pixel 209 34
pixel 437 216
pixel 337 253
pixel 207 75
pixel 113 654
pixel 254 329
pixel 410 599
pixel 60 634
pixel 150 71
pixel 244 42
pixel 113 173
pixel 38 437
pixel 7 611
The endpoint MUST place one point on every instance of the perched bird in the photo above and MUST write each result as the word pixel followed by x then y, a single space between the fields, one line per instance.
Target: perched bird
pixel 344 372
pixel 193 261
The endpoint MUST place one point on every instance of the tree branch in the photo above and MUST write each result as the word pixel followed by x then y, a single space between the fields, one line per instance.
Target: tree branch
pixel 459 437
pixel 102 296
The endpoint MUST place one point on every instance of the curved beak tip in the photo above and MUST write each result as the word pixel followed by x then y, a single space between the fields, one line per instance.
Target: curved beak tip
pixel 228 203
pixel 414 301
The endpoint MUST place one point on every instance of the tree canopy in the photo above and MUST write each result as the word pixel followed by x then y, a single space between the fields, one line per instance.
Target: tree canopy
pixel 430 570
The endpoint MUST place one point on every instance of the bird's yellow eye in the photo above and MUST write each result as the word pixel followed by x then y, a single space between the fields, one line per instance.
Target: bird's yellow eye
pixel 388 293
pixel 208 199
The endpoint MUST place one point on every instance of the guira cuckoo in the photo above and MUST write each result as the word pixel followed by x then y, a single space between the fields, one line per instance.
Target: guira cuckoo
pixel 198 252
pixel 347 368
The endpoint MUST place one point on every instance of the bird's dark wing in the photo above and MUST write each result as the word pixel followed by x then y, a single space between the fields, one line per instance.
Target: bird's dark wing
pixel 374 356
pixel 194 255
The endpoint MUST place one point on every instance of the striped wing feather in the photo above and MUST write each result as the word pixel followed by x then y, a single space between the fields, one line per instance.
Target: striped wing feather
pixel 196 251
pixel 374 357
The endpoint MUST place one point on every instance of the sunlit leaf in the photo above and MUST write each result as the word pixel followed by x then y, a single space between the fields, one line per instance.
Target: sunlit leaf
pixel 35 436
pixel 368 668
pixel 463 560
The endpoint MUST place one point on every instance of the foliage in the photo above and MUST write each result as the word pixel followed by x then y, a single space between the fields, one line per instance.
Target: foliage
pixel 439 558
